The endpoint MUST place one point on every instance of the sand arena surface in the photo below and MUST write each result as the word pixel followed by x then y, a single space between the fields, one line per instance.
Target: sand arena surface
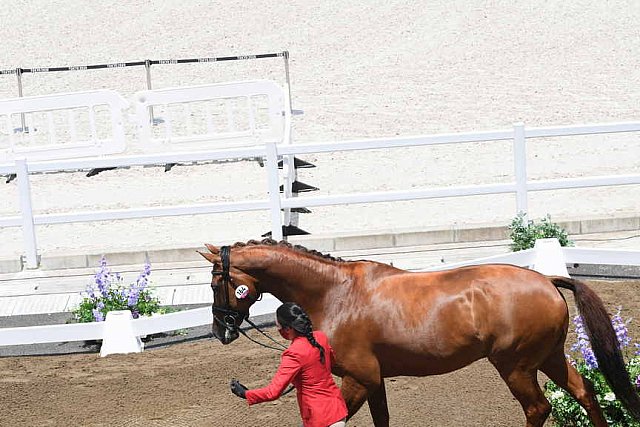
pixel 187 385
pixel 358 71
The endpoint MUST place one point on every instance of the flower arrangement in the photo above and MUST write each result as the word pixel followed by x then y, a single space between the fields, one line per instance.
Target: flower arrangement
pixel 565 410
pixel 524 235
pixel 109 293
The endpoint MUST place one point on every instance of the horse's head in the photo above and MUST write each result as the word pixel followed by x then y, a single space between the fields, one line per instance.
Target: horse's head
pixel 234 291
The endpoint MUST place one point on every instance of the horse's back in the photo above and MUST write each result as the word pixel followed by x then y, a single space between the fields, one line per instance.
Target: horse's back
pixel 464 314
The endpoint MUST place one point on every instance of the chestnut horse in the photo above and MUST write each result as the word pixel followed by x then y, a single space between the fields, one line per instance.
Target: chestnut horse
pixel 384 322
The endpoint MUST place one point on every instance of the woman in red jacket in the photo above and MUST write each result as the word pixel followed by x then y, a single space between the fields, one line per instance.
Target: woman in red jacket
pixel 307 365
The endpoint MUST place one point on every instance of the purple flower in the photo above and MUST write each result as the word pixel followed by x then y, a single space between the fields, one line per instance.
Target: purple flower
pixel 143 278
pixel 583 344
pixel 97 315
pixel 108 287
pixel 622 332
pixel 638 382
pixel 102 278
pixel 134 294
pixel 90 292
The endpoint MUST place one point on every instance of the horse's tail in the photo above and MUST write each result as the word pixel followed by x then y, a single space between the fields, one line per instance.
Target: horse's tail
pixel 604 342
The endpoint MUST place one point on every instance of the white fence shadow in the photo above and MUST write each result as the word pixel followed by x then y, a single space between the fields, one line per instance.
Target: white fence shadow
pixel 120 334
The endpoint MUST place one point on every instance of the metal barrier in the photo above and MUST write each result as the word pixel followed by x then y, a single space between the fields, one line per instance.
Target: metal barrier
pixel 147 63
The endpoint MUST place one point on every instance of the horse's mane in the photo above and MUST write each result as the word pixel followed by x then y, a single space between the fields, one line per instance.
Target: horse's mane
pixel 285 244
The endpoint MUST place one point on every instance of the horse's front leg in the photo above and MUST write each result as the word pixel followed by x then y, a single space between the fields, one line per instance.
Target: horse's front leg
pixel 355 393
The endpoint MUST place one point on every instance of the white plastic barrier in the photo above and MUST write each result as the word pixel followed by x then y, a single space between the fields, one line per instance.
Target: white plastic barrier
pixel 120 333
pixel 62 126
pixel 224 115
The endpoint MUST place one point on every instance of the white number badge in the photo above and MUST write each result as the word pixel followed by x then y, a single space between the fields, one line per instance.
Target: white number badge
pixel 242 292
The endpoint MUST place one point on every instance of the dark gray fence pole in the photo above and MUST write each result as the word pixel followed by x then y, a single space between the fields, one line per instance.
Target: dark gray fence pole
pixel 22 120
pixel 285 55
pixel 147 67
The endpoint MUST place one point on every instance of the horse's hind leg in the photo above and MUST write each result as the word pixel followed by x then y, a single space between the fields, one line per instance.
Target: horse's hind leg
pixel 524 386
pixel 378 405
pixel 355 394
pixel 560 371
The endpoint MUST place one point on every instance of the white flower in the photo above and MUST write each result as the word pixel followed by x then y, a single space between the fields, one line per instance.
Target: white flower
pixel 609 397
pixel 556 395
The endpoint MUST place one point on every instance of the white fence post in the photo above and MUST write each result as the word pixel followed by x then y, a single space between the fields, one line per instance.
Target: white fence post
pixel 520 167
pixel 275 205
pixel 28 228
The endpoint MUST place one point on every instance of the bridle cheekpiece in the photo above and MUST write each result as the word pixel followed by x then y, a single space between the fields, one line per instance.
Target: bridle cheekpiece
pixel 231 318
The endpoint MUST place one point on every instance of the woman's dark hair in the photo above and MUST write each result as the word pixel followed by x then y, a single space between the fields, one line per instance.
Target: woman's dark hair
pixel 291 315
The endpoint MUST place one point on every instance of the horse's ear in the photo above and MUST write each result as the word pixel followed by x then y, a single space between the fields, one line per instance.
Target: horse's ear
pixel 208 256
pixel 212 249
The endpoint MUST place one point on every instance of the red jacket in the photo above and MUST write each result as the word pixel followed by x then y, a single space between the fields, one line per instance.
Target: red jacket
pixel 320 401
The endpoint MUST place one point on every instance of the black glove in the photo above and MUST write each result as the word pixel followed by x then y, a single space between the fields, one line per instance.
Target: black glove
pixel 238 389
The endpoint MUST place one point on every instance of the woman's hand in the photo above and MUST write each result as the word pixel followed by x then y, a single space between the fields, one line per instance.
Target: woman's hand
pixel 238 389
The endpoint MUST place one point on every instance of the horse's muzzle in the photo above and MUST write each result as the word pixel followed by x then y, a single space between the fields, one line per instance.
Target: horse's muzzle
pixel 225 335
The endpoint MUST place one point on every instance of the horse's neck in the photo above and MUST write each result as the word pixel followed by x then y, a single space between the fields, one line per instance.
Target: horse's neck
pixel 301 278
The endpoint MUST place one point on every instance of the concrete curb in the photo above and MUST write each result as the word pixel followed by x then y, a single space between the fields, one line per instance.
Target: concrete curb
pixel 333 243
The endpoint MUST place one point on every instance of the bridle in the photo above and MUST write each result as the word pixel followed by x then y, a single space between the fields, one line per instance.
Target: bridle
pixel 232 318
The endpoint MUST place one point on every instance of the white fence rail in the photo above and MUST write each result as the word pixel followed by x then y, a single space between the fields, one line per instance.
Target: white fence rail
pixel 274 202
pixel 122 336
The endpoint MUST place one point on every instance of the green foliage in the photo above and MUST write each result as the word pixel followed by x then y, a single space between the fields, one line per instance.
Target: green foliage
pixel 567 412
pixel 524 233
pixel 109 293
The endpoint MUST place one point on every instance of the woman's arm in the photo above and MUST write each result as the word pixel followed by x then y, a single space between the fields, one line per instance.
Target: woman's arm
pixel 288 369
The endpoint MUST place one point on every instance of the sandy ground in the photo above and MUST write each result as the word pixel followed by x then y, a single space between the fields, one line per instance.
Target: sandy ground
pixel 187 385
pixel 358 71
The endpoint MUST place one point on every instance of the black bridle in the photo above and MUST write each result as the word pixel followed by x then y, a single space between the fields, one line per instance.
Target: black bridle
pixel 233 318
pixel 230 317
